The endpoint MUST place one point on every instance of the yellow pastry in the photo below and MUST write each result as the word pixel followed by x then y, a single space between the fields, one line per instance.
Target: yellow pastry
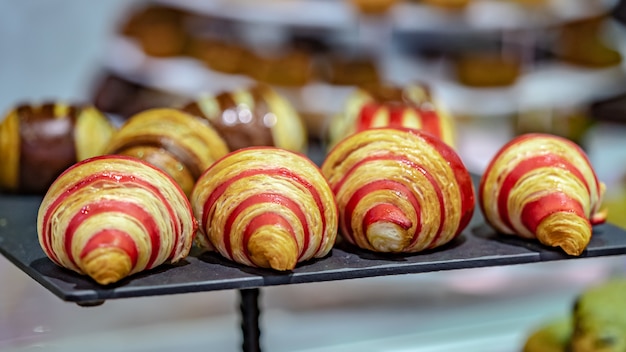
pixel 178 143
pixel 399 190
pixel 265 207
pixel 540 186
pixel 112 216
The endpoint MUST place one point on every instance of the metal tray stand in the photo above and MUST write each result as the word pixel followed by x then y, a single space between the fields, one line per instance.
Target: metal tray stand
pixel 478 246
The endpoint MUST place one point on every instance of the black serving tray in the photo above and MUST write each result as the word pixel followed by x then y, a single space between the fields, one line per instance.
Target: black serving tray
pixel 478 246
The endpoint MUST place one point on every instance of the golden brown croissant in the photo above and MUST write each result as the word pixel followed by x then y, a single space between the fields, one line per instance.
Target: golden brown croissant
pixel 399 190
pixel 176 142
pixel 112 216
pixel 543 186
pixel 38 142
pixel 411 106
pixel 256 116
pixel 265 207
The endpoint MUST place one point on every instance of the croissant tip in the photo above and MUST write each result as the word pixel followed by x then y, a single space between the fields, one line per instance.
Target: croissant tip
pixel 568 231
pixel 388 237
pixel 273 249
pixel 107 265
pixel 570 247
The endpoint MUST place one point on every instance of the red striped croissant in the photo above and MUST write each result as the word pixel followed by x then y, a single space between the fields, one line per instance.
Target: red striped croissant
pixel 411 106
pixel 113 216
pixel 544 187
pixel 265 207
pixel 399 190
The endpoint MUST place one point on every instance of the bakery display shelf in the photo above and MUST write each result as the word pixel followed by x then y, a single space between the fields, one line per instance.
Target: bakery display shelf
pixel 478 246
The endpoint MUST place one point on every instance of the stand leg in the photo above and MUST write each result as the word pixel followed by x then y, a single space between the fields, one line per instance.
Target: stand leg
pixel 249 306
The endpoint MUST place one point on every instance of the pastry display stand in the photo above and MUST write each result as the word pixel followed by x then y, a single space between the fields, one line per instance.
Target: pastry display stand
pixel 478 246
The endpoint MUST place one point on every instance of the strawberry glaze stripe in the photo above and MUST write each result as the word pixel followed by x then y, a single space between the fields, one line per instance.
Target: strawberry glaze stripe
pixel 430 121
pixel 105 177
pixel 366 116
pixel 536 211
pixel 112 238
pixel 523 138
pixel 137 212
pixel 524 167
pixel 265 198
pixel 461 176
pixel 396 115
pixel 266 219
pixel 387 213
pixel 209 206
pixel 402 159
pixel 377 185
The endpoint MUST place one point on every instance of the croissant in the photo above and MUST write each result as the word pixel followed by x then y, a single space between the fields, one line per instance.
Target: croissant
pixel 265 207
pixel 411 106
pixel 399 190
pixel 172 140
pixel 38 142
pixel 112 216
pixel 543 187
pixel 255 116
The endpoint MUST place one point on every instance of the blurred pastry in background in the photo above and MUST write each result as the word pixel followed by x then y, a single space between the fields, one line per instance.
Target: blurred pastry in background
pixel 530 2
pixel 222 56
pixel 293 68
pixel 446 4
pixel 254 116
pixel 597 323
pixel 373 7
pixel 345 71
pixel 599 318
pixel 487 70
pixel 158 29
pixel 386 105
pixel 571 123
pixel 117 95
pixel 39 141
pixel 582 43
pixel 551 337
pixel 176 142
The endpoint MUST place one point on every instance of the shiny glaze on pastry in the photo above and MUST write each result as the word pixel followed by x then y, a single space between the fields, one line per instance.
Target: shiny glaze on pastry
pixel 176 142
pixel 112 216
pixel 543 186
pixel 265 207
pixel 399 190
pixel 38 142
pixel 256 116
